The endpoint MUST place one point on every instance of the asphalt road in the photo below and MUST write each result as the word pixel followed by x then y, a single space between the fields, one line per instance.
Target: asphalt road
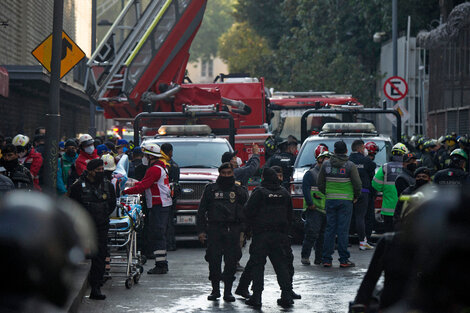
pixel 186 286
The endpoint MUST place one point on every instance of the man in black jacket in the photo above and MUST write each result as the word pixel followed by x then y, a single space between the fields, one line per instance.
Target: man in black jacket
pixel 18 173
pixel 455 174
pixel 366 169
pixel 219 221
pixel 243 173
pixel 269 213
pixel 96 194
pixel 406 178
pixel 285 159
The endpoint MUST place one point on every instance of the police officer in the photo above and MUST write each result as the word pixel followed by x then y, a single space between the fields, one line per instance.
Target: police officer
pixel 455 174
pixel 406 178
pixel 219 221
pixel 243 173
pixel 269 215
pixel 285 159
pixel 384 181
pixel 96 194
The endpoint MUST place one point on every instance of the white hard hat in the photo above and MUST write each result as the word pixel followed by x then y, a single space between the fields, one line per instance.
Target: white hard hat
pixel 85 140
pixel 108 162
pixel 152 149
pixel 20 140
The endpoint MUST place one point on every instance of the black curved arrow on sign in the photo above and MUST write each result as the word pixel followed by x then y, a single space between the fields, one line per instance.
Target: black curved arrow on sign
pixel 65 44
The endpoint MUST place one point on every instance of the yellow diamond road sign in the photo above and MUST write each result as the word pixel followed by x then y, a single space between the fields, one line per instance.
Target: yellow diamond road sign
pixel 71 54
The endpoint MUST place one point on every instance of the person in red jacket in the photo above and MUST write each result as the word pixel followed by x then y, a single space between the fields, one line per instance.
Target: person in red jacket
pixel 87 153
pixel 28 157
pixel 156 187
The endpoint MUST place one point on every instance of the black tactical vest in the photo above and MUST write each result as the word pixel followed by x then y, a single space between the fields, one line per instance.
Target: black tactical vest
pixel 95 200
pixel 225 205
pixel 273 211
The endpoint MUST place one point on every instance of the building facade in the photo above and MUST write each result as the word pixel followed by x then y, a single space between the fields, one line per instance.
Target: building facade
pixel 449 69
pixel 24 106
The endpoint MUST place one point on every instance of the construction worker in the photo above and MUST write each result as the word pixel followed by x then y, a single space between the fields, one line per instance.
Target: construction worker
pixel 455 174
pixel 366 169
pixel 384 181
pixel 339 180
pixel 314 210
pixel 158 203
pixel 219 221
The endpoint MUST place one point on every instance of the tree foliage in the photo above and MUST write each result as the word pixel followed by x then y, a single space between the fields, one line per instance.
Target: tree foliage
pixel 247 51
pixel 218 18
pixel 322 44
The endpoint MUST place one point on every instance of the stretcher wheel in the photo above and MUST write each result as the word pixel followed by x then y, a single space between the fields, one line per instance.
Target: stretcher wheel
pixel 137 278
pixel 129 282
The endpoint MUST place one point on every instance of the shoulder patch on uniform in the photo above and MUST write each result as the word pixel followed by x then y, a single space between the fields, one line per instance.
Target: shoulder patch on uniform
pixel 342 170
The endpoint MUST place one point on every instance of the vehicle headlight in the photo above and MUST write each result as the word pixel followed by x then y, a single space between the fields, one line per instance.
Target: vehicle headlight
pixel 296 190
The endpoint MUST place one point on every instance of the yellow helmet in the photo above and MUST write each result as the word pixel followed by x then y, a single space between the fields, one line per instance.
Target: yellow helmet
pixel 399 149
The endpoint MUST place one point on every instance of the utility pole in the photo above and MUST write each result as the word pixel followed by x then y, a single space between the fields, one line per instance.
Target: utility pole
pixel 92 128
pixel 395 48
pixel 53 117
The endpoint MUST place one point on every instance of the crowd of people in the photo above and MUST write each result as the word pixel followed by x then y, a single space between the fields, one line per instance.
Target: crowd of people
pixel 339 191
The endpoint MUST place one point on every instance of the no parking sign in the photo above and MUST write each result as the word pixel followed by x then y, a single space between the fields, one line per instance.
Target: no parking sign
pixel 395 88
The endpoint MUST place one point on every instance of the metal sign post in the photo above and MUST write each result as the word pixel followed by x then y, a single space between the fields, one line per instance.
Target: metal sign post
pixel 53 117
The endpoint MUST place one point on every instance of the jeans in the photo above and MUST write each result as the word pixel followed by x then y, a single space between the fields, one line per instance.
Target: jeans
pixel 370 216
pixel 314 229
pixel 360 211
pixel 338 219
pixel 157 223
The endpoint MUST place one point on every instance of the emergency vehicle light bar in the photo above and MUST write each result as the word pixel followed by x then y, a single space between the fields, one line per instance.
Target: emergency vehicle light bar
pixel 348 128
pixel 199 108
pixel 184 130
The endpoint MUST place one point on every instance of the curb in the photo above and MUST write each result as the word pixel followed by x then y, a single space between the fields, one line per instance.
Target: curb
pixel 79 288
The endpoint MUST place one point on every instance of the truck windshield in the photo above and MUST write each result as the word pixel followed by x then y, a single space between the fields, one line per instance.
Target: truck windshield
pixel 306 154
pixel 192 154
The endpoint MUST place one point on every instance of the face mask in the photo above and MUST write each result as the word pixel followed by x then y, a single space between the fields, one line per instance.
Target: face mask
pixel 225 182
pixel 421 182
pixel 99 176
pixel 365 152
pixel 61 153
pixel 22 154
pixel 412 167
pixel 145 161
pixel 124 150
pixel 10 165
pixel 89 149
pixel 70 153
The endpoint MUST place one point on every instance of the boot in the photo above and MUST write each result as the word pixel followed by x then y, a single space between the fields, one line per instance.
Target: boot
pixel 228 292
pixel 215 294
pixel 255 300
pixel 160 268
pixel 242 291
pixel 286 299
pixel 296 295
pixel 96 294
